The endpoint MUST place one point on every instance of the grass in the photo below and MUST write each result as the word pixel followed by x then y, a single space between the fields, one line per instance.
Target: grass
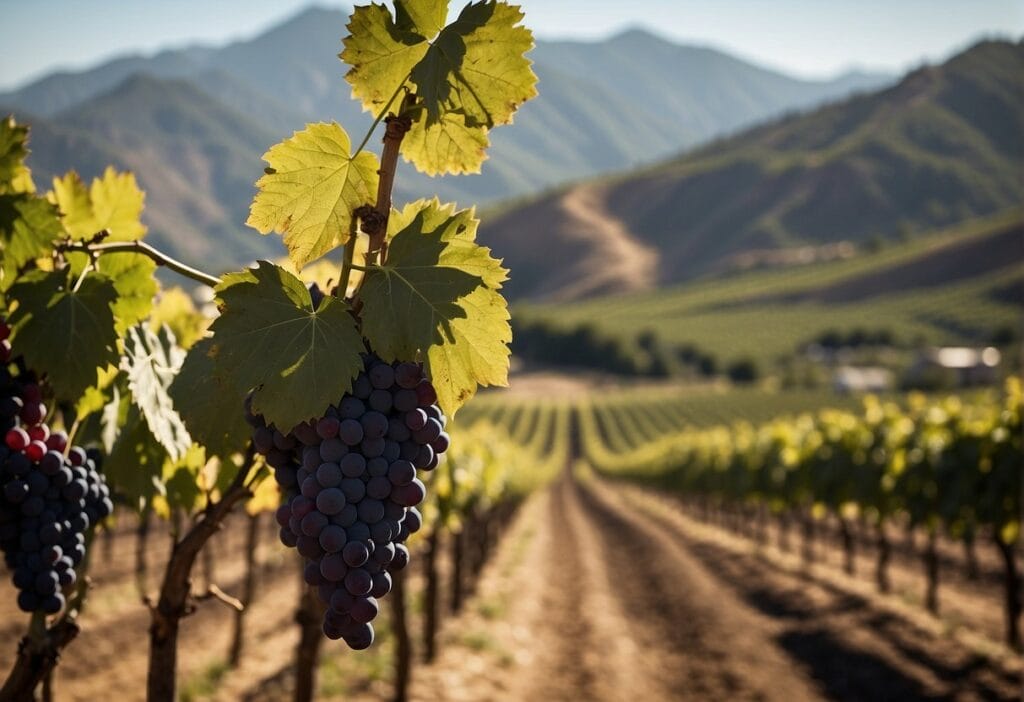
pixel 204 684
pixel 766 314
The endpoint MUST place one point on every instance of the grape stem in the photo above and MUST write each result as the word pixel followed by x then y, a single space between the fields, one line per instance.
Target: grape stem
pixel 140 247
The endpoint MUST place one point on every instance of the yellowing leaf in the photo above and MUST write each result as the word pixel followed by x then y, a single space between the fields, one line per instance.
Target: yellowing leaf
pixel 311 187
pixel 269 339
pixel 436 295
pixel 265 497
pixel 477 353
pixel 381 53
pixel 134 277
pixel 476 66
pixel 448 145
pixel 175 308
pixel 14 174
pixel 114 203
pixel 468 77
pixel 28 226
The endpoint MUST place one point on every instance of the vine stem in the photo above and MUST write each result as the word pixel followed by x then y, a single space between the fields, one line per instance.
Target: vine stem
pixel 175 601
pixel 346 263
pixel 140 247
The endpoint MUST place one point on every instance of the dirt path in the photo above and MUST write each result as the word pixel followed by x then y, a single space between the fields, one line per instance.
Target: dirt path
pixel 616 259
pixel 604 593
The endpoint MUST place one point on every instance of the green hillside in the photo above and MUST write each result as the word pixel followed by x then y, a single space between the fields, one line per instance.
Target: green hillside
pixel 956 286
pixel 944 145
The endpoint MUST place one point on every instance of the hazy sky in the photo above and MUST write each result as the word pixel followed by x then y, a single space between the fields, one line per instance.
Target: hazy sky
pixel 813 38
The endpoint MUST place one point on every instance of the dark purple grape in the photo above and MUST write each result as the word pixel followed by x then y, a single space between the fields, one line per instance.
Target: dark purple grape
pixel 331 501
pixel 382 376
pixel 329 474
pixel 358 582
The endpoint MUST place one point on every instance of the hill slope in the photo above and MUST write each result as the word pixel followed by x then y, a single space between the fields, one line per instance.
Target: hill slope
pixel 954 286
pixel 194 157
pixel 943 145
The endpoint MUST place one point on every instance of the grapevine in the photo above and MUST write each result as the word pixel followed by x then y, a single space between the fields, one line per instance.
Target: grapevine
pixel 357 374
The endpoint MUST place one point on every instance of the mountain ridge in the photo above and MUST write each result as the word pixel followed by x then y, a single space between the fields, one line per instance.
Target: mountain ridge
pixel 585 122
pixel 943 145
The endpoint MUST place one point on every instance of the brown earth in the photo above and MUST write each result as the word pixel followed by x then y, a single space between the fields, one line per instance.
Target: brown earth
pixel 597 592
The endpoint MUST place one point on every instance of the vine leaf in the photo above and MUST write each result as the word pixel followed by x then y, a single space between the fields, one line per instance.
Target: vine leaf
pixel 382 52
pixel 469 76
pixel 437 295
pixel 176 309
pixel 208 404
pixel 151 362
pixel 446 146
pixel 476 66
pixel 15 176
pixel 67 334
pixel 478 354
pixel 269 339
pixel 265 497
pixel 28 227
pixel 311 186
pixel 135 462
pixel 183 483
pixel 134 277
pixel 113 203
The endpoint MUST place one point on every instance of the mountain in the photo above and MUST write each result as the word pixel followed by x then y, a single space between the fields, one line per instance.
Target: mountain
pixel 943 145
pixel 194 157
pixel 193 122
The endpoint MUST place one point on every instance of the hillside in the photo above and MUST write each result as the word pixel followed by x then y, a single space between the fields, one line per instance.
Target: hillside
pixel 954 286
pixel 943 145
pixel 194 157
pixel 603 106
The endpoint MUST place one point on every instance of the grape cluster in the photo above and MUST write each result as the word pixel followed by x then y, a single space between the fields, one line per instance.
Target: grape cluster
pixel 351 489
pixel 50 493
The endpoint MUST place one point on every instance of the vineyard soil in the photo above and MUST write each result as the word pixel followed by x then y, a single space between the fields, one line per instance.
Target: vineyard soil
pixel 596 592
pixel 602 594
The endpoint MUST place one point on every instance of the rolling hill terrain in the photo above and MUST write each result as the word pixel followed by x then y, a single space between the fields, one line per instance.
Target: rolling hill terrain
pixel 959 285
pixel 942 146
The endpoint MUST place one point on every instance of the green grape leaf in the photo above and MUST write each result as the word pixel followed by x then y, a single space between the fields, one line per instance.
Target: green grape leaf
pixel 113 202
pixel 14 174
pixel 477 353
pixel 427 17
pixel 458 229
pixel 469 76
pixel 28 227
pixel 176 309
pixel 268 338
pixel 182 481
pixel 476 66
pixel 265 497
pixel 67 334
pixel 208 404
pixel 134 277
pixel 151 362
pixel 311 186
pixel 409 301
pixel 448 145
pixel 437 295
pixel 381 53
pixel 134 465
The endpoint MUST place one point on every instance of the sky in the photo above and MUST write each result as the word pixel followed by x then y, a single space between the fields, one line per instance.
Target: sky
pixel 807 38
